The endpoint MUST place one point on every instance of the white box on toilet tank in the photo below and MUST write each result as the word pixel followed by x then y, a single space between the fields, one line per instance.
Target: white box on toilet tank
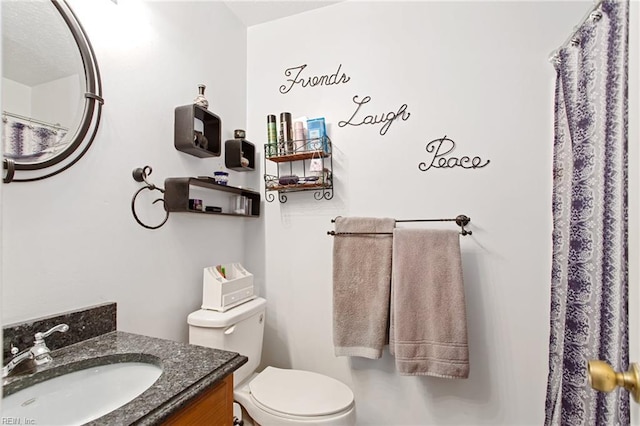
pixel 226 286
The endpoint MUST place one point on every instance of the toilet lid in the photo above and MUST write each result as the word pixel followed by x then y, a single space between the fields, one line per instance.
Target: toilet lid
pixel 300 393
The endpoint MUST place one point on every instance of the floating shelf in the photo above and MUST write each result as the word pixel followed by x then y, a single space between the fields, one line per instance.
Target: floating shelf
pixel 176 196
pixel 186 137
pixel 234 150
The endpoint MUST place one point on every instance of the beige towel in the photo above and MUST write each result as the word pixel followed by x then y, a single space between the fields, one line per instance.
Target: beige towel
pixel 428 332
pixel 361 286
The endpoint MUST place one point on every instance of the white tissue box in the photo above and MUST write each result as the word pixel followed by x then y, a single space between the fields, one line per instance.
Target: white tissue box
pixel 222 292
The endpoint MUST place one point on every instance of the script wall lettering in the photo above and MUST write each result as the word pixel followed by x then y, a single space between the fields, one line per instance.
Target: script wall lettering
pixel 311 81
pixel 439 150
pixel 386 118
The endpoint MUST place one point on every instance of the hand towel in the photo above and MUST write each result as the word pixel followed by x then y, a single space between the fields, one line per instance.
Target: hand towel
pixel 361 286
pixel 428 324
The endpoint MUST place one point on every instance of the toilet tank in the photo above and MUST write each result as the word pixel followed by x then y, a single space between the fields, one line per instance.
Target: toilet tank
pixel 239 329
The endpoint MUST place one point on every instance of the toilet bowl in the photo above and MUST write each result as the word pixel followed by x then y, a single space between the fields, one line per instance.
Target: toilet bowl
pixel 295 397
pixel 274 396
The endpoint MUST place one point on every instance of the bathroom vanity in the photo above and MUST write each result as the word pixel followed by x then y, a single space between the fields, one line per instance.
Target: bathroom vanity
pixel 212 407
pixel 194 387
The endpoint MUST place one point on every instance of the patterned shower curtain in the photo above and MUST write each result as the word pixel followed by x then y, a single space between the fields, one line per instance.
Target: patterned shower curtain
pixel 589 288
pixel 27 142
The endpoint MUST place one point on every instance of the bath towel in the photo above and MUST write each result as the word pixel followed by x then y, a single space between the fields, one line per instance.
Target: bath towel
pixel 428 321
pixel 361 286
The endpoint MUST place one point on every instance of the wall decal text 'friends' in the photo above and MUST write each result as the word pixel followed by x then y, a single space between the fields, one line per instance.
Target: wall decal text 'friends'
pixel 312 81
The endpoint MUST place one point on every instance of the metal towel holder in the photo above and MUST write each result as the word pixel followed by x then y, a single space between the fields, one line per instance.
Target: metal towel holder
pixel 460 220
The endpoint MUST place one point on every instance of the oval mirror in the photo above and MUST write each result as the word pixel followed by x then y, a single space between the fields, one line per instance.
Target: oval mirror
pixel 51 89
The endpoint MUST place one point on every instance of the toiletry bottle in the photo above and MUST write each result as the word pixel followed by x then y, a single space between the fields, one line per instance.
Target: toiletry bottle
pixel 272 136
pixel 286 132
pixel 299 142
pixel 317 134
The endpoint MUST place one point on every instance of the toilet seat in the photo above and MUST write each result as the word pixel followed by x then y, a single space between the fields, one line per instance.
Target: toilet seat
pixel 281 393
pixel 299 393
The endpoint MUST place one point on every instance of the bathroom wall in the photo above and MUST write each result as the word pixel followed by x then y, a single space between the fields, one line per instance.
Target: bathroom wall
pixel 71 240
pixel 16 97
pixel 44 98
pixel 477 72
pixel 54 102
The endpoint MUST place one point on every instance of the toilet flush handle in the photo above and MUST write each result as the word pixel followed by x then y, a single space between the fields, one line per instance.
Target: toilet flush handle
pixel 230 329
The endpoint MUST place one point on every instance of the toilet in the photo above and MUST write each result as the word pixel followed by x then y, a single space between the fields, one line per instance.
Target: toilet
pixel 274 396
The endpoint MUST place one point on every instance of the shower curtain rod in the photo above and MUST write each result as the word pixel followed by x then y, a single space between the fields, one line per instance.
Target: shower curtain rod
pixel 460 220
pixel 596 5
pixel 33 120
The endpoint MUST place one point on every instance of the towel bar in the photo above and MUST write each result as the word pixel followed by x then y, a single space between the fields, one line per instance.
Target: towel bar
pixel 460 220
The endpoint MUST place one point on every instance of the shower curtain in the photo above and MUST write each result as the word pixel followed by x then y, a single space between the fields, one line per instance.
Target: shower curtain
pixel 26 141
pixel 589 288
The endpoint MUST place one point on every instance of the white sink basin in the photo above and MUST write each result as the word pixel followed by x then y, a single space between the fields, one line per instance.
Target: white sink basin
pixel 81 396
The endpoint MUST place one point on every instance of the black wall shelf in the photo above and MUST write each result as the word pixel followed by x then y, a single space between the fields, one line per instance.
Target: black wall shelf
pixel 188 140
pixel 234 150
pixel 176 196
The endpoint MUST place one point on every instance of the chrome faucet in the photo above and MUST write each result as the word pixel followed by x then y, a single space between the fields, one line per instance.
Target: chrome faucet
pixel 39 352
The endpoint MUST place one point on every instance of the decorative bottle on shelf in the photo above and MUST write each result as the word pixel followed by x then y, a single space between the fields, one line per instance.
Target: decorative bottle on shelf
pixel 200 100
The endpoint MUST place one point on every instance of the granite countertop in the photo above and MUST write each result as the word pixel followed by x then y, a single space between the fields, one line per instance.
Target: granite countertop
pixel 187 370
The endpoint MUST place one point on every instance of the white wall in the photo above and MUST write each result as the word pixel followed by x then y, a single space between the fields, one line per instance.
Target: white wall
pixel 71 241
pixel 478 73
pixel 16 97
pixel 59 101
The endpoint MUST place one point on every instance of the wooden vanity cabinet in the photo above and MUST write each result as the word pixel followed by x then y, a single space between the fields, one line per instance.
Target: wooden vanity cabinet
pixel 212 407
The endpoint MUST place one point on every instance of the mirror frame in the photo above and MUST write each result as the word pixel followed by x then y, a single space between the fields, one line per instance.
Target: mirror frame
pixel 79 143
